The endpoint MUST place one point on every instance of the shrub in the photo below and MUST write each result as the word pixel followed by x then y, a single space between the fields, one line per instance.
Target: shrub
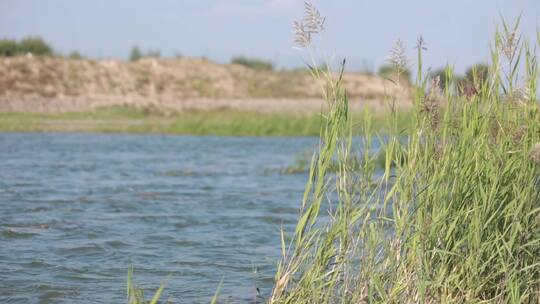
pixel 33 45
pixel 135 54
pixel 8 47
pixel 256 64
pixel 36 46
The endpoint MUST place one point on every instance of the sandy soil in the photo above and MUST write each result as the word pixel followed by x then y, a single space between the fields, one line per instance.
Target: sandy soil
pixel 45 84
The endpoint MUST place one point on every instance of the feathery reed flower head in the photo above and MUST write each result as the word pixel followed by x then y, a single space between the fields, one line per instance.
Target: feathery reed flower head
pixel 510 43
pixel 519 133
pixel 535 154
pixel 311 24
pixel 397 57
pixel 313 19
pixel 431 102
pixel 523 94
pixel 519 95
pixel 302 37
pixel 435 86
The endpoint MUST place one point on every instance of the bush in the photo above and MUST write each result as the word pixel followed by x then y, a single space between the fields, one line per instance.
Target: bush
pixel 8 47
pixel 252 63
pixel 135 54
pixel 33 45
pixel 36 46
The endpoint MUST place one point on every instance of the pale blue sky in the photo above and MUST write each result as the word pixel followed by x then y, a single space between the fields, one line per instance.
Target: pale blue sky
pixel 457 31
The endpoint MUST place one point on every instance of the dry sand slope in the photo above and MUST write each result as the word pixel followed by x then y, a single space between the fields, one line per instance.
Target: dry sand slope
pixel 45 84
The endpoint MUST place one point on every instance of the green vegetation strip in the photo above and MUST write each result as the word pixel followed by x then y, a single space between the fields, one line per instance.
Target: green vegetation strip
pixel 144 120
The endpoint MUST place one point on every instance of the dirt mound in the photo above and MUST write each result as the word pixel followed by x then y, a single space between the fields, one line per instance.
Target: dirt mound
pixel 29 80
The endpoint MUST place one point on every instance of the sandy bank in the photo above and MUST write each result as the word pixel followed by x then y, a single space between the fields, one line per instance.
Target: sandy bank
pixel 46 84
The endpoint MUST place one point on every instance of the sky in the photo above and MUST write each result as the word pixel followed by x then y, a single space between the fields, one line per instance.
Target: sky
pixel 457 32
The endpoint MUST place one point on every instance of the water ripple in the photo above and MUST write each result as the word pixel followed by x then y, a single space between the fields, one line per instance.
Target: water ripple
pixel 76 210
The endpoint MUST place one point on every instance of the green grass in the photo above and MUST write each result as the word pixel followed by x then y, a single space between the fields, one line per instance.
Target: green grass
pixel 148 120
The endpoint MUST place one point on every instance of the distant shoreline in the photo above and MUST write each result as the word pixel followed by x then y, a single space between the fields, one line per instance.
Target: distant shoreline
pixel 174 96
pixel 51 84
pixel 152 120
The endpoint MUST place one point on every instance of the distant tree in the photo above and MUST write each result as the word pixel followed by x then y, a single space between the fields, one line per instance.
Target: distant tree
pixel 256 64
pixel 389 71
pixel 441 74
pixel 135 54
pixel 36 46
pixel 75 55
pixel 477 74
pixel 455 82
pixel 8 47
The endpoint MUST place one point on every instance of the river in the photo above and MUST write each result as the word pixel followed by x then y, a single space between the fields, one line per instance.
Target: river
pixel 76 210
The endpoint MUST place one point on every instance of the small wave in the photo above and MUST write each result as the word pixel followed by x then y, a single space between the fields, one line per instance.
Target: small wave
pixel 184 173
pixel 84 250
pixel 19 233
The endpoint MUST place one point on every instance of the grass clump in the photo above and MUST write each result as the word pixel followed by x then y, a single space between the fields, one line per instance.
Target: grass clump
pixel 457 217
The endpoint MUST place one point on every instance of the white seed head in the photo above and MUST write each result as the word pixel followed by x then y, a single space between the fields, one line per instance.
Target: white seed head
pixel 312 18
pixel 510 44
pixel 397 57
pixel 302 38
pixel 435 86
pixel 311 24
pixel 535 154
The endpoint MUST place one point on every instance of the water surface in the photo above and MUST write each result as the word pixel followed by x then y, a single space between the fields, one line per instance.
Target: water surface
pixel 77 209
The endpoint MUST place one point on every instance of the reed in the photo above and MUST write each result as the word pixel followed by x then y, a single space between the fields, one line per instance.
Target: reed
pixel 456 219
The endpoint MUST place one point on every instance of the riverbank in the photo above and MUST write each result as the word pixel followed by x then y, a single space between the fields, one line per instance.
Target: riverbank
pixel 174 96
pixel 226 122
pixel 50 84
